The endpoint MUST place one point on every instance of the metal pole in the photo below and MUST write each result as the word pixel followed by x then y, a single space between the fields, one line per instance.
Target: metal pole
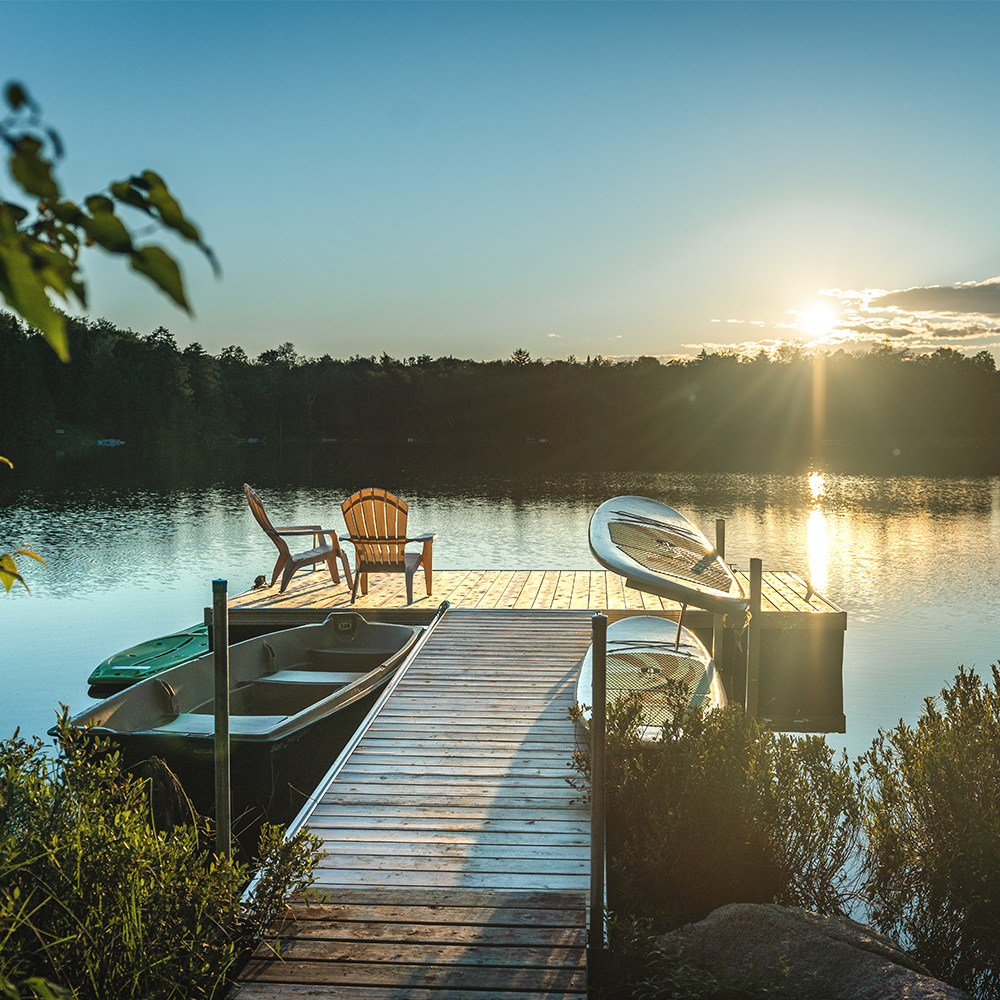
pixel 753 639
pixel 598 725
pixel 718 621
pixel 220 640
pixel 680 625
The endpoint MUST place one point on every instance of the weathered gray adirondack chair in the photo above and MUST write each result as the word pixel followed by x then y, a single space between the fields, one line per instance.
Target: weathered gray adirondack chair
pixel 323 551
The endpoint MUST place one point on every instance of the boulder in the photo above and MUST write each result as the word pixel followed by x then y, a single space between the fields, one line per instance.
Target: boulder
pixel 833 958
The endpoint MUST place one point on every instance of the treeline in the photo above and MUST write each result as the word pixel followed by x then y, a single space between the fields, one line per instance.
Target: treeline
pixel 866 411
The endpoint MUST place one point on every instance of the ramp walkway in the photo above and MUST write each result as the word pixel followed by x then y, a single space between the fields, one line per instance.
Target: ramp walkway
pixel 458 855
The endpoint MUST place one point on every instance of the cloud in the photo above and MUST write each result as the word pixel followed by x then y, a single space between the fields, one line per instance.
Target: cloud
pixel 981 299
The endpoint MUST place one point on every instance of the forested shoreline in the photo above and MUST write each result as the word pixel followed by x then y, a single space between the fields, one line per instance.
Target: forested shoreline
pixel 884 410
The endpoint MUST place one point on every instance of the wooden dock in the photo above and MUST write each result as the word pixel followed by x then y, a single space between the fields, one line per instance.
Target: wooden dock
pixel 458 855
pixel 458 861
pixel 802 632
pixel 536 590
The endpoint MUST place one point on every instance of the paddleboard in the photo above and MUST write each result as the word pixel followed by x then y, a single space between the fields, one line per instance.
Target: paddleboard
pixel 660 551
pixel 643 653
pixel 146 659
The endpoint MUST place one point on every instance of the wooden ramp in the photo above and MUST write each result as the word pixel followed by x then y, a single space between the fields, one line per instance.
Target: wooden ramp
pixel 458 862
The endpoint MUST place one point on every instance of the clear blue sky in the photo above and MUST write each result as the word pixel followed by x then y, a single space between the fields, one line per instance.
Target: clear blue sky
pixel 571 178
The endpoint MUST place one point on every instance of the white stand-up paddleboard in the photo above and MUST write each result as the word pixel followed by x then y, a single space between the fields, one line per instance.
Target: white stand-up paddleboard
pixel 660 551
pixel 643 653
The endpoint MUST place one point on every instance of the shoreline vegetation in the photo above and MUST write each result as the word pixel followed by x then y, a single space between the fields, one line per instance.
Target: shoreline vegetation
pixel 107 891
pixel 721 811
pixel 886 411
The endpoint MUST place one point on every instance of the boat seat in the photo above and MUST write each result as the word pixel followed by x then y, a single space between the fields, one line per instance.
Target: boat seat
pixel 312 677
pixel 199 724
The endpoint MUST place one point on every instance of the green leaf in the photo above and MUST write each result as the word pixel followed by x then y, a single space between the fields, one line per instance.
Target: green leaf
pixel 16 96
pixel 17 213
pixel 67 212
pixel 124 191
pixel 24 290
pixel 104 227
pixel 9 574
pixel 168 208
pixel 162 270
pixel 31 170
pixel 99 203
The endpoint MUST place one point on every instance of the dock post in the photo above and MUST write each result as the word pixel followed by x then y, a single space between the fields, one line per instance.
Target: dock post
pixel 719 621
pixel 753 639
pixel 596 952
pixel 223 803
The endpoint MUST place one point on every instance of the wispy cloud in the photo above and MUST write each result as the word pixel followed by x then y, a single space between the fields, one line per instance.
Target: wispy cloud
pixel 965 315
pixel 954 300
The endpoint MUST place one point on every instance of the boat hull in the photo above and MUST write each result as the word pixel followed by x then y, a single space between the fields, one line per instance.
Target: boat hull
pixel 296 697
pixel 147 659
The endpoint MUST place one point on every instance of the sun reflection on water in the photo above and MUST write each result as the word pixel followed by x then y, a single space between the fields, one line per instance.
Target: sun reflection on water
pixel 817 485
pixel 816 534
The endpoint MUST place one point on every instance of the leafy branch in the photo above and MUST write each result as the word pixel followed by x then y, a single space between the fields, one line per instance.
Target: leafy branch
pixel 40 247
pixel 8 567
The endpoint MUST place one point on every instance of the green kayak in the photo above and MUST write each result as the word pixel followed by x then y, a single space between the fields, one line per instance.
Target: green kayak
pixel 148 658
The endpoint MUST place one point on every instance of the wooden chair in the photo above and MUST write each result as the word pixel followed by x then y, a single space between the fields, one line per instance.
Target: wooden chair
pixel 376 524
pixel 287 564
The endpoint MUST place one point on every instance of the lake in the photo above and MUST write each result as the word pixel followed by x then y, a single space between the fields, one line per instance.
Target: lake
pixel 913 561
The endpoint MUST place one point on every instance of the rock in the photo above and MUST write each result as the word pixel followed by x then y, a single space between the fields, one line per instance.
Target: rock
pixel 833 958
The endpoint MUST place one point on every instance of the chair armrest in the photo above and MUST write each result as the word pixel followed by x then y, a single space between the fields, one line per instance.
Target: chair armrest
pixel 303 529
pixel 430 536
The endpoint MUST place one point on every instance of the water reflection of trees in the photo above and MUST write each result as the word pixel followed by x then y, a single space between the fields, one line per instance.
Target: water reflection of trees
pixel 883 411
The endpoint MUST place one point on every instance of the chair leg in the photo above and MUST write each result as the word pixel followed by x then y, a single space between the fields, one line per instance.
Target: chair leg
pixel 409 584
pixel 331 563
pixel 290 569
pixel 347 569
pixel 425 558
pixel 278 567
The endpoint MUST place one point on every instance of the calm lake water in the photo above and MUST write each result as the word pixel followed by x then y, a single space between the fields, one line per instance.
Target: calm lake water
pixel 913 561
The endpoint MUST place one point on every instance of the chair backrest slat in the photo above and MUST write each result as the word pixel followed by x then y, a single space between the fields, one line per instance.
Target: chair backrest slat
pixel 376 522
pixel 260 515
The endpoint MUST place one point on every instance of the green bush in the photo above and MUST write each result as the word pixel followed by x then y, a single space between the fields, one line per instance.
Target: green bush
pixel 932 802
pixel 721 811
pixel 94 897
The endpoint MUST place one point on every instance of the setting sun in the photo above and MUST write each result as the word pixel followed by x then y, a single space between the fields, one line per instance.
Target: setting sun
pixel 818 321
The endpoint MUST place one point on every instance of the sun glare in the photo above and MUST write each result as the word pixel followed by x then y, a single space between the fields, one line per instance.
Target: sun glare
pixel 817 485
pixel 818 321
pixel 817 548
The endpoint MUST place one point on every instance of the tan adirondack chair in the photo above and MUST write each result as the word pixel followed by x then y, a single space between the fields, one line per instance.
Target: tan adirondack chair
pixel 323 551
pixel 376 525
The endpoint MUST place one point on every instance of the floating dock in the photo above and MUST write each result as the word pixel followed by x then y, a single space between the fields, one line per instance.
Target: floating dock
pixel 801 631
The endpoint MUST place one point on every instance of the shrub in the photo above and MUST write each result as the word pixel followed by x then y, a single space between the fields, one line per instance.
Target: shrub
pixel 720 811
pixel 94 897
pixel 932 801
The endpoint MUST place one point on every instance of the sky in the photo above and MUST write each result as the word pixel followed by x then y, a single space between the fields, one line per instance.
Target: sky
pixel 573 178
